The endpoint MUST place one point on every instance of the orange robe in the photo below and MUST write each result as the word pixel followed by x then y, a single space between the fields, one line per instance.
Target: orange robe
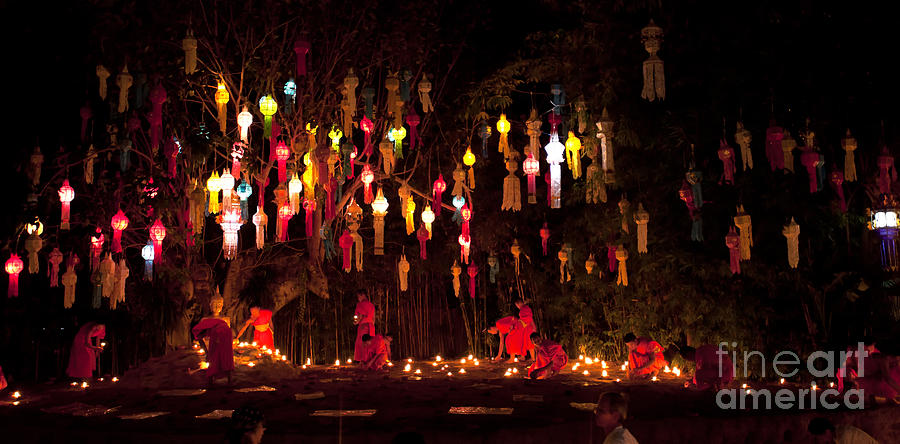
pixel 712 367
pixel 647 350
pixel 219 353
pixel 365 316
pixel 550 353
pixel 262 330
pixel 83 358
pixel 378 352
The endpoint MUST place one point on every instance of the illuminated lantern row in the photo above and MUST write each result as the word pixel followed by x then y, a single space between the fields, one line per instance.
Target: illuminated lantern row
pixel 33 244
pixel 13 267
pixel 554 158
pixel 379 210
pixel 654 73
pixel 743 137
pixel 119 223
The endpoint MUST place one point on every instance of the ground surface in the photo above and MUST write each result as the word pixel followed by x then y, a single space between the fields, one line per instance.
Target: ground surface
pixel 661 412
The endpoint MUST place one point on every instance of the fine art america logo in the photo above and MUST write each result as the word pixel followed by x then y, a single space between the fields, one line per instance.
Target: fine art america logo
pixel 786 364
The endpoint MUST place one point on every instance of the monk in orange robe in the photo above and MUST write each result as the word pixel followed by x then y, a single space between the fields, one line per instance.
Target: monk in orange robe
pixel 504 327
pixel 549 360
pixel 378 351
pixel 83 357
pixel 526 320
pixel 364 318
pixel 262 327
pixel 219 351
pixel 714 368
pixel 645 357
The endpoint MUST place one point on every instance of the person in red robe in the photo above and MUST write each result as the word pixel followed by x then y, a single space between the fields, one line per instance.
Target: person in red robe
pixel 713 368
pixel 645 357
pixel 262 327
pixel 549 360
pixel 364 318
pixel 526 320
pixel 219 351
pixel 378 351
pixel 505 328
pixel 83 357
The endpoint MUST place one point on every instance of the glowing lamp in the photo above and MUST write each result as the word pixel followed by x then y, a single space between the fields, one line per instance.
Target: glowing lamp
pixel 532 168
pixel 573 154
pixel 213 186
pixel 367 177
pixel 66 195
pixel 244 120
pixel 282 153
pixel 437 191
pixel 295 187
pixel 503 127
pixel 119 223
pixel 147 252
pixel 13 267
pixel 428 218
pixel 222 98
pixel 244 190
pixel 379 210
pixel 469 161
pixel 554 151
pixel 268 107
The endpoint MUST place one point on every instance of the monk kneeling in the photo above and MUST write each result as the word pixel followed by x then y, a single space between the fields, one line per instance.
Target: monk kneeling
pixel 645 357
pixel 550 358
pixel 378 350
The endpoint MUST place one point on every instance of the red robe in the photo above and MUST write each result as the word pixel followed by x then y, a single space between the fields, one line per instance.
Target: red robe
pixel 262 330
pixel 219 353
pixel 83 358
pixel 365 316
pixel 647 350
pixel 708 372
pixel 378 352
pixel 511 327
pixel 550 353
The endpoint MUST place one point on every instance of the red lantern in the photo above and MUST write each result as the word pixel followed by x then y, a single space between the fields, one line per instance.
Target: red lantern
pixel 545 235
pixel 14 266
pixel 473 271
pixel 66 195
pixel 284 213
pixel 282 153
pixel 532 168
pixel 367 127
pixel 367 178
pixel 437 192
pixel 119 223
pixel 465 241
pixel 157 234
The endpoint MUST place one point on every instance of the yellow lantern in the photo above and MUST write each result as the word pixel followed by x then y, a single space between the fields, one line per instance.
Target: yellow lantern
pixel 379 210
pixel 573 154
pixel 503 127
pixel 469 161
pixel 428 218
pixel 213 186
pixel 222 97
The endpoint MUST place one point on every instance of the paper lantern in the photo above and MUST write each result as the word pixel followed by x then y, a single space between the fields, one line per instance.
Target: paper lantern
pixel 268 107
pixel 733 242
pixel 422 234
pixel 654 72
pixel 791 233
pixel 147 252
pixel 554 158
pixel 231 225
pixel 13 267
pixel 157 234
pixel 119 223
pixel 458 203
pixel 455 270
pixel 410 215
pixel 244 120
pixel 412 119
pixel 244 190
pixel 424 97
pixel 222 98
pixel 641 218
pixel 213 186
pixel 605 133
pixel 97 241
pixel 743 137
pixel 545 236
pixel 379 210
pixel 301 48
pixel 226 182
pixel 102 75
pixel 532 168
pixel 124 81
pixel 189 45
pixel 437 192
pixel 503 127
pixel 261 221
pixel 387 156
pixel 284 215
pixel 622 257
pixel 428 218
pixel 367 126
pixel 512 193
pixel 849 145
pixel 54 260
pixel 469 161
pixel 472 270
pixel 397 135
pixel 573 155
pixel 367 177
pixel 290 95
pixel 403 272
pixel 743 222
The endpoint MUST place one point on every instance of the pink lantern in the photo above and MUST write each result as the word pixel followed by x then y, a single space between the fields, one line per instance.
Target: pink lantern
pixel 545 236
pixel 473 271
pixel 157 234
pixel 367 177
pixel 66 195
pixel 119 223
pixel 422 234
pixel 437 193
pixel 14 266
